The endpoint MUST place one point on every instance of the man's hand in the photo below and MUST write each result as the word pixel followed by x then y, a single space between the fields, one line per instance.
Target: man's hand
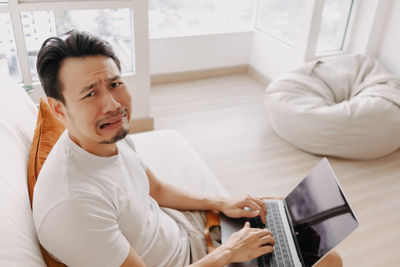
pixel 242 246
pixel 249 243
pixel 236 207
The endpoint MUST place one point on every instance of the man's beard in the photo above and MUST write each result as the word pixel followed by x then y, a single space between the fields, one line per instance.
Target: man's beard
pixel 119 136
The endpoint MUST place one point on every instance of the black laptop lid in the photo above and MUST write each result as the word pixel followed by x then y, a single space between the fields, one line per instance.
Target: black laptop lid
pixel 321 216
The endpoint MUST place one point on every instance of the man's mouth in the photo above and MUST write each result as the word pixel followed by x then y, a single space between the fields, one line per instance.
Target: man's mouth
pixel 112 121
pixel 104 125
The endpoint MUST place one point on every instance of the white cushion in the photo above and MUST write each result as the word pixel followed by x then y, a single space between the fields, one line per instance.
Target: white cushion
pixel 172 159
pixel 18 242
pixel 346 106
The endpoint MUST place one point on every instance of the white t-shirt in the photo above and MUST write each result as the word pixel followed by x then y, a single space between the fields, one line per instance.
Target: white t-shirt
pixel 89 210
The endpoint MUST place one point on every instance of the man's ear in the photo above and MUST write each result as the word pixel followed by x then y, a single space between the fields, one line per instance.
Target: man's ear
pixel 58 108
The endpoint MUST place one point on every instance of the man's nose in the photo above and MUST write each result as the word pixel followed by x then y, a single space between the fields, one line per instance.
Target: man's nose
pixel 109 103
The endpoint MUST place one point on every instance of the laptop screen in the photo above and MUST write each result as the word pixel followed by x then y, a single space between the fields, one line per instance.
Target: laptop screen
pixel 316 205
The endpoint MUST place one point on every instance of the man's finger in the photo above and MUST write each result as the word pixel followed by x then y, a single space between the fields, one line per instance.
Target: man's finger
pixel 250 213
pixel 262 204
pixel 253 205
pixel 265 232
pixel 246 225
pixel 263 211
pixel 266 249
pixel 267 239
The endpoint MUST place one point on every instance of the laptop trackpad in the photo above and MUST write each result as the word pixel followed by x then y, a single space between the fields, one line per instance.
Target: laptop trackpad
pixel 252 263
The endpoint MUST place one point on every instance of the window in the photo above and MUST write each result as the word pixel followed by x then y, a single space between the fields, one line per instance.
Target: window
pixel 335 18
pixel 114 25
pixel 25 24
pixel 286 20
pixel 192 17
pixel 8 52
pixel 282 19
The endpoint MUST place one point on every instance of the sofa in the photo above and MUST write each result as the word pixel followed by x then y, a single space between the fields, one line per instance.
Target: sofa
pixel 166 152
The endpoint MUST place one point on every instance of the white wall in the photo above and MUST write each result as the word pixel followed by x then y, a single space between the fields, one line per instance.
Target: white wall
pixel 271 57
pixel 362 22
pixel 374 30
pixel 388 52
pixel 188 53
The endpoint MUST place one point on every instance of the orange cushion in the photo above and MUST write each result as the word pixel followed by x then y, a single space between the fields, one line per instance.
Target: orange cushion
pixel 48 130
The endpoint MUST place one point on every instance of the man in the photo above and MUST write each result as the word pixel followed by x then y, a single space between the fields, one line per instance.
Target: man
pixel 95 202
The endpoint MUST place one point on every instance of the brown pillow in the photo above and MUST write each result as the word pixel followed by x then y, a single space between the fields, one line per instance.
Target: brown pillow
pixel 48 130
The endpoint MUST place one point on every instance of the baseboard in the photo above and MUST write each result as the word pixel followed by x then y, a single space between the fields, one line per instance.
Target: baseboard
pixel 197 74
pixel 141 125
pixel 258 76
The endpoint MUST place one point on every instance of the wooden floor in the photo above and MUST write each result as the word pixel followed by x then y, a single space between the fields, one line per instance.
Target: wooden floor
pixel 224 119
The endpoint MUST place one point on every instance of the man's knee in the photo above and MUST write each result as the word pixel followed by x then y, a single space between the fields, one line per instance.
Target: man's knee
pixel 333 259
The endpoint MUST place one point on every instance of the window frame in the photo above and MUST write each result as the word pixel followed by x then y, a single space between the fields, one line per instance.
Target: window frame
pixel 15 8
pixel 345 25
pixel 311 29
pixel 139 32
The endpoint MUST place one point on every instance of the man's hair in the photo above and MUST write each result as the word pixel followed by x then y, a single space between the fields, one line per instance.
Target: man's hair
pixel 54 50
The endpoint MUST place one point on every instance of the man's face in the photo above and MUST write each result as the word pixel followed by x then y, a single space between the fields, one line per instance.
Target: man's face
pixel 97 108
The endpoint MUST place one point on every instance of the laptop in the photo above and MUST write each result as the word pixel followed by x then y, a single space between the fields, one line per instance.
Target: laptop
pixel 306 225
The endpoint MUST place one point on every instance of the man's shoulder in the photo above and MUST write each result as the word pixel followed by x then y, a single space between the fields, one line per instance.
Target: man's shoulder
pixel 54 184
pixel 55 164
pixel 59 151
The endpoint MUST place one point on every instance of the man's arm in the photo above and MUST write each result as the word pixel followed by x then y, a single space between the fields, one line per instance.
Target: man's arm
pixel 170 196
pixel 246 244
pixel 133 260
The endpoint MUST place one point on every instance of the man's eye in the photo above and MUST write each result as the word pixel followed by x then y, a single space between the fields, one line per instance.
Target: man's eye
pixel 115 84
pixel 90 94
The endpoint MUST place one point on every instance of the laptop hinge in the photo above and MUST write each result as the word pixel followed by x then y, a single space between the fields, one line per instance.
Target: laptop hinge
pixel 293 233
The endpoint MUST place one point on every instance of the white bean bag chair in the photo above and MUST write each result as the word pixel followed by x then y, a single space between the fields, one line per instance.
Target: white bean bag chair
pixel 345 106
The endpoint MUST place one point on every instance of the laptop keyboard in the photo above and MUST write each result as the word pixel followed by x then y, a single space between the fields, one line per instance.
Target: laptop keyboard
pixel 281 257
